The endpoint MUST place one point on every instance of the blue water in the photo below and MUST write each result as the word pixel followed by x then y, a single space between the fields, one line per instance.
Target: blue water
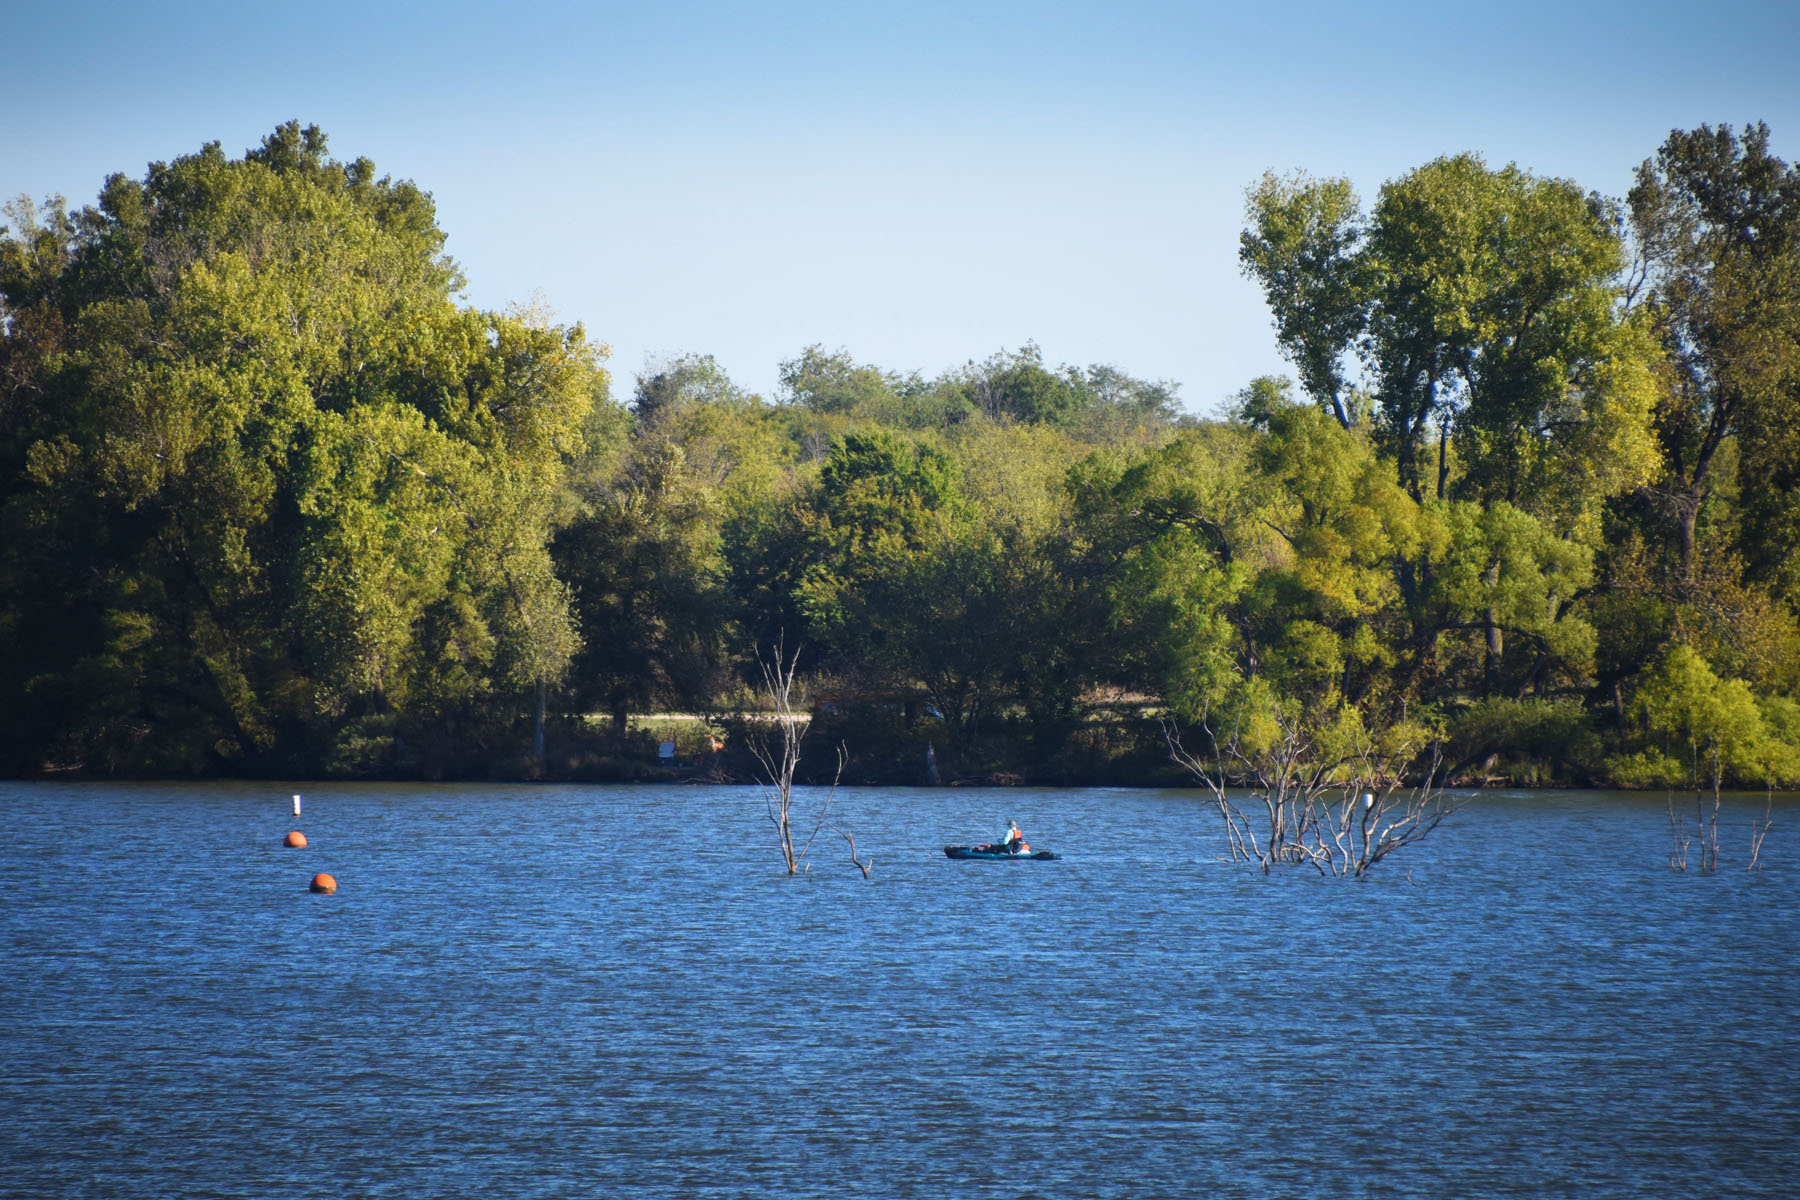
pixel 616 992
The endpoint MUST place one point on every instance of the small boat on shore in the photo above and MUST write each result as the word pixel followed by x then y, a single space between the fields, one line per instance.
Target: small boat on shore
pixel 989 850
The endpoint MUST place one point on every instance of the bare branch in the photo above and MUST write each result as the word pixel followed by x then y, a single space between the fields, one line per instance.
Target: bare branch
pixel 1761 830
pixel 1340 811
pixel 1679 856
pixel 1235 826
pixel 781 760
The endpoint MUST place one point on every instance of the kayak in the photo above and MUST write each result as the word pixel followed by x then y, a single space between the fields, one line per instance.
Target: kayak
pixel 988 850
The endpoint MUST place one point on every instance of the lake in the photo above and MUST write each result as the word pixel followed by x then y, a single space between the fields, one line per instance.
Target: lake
pixel 602 991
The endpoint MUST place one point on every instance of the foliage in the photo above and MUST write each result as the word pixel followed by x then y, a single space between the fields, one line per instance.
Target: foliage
pixel 1699 730
pixel 1482 301
pixel 1531 734
pixel 1301 245
pixel 643 562
pixel 283 481
pixel 271 500
pixel 1717 219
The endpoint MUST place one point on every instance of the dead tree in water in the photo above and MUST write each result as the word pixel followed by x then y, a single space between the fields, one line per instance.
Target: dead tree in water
pixel 1761 830
pixel 863 865
pixel 780 759
pixel 1678 857
pixel 1340 804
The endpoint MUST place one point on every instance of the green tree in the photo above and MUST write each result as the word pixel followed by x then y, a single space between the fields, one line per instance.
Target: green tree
pixel 1113 390
pixel 1482 302
pixel 883 517
pixel 1294 603
pixel 1018 387
pixel 1699 730
pixel 648 554
pixel 1303 244
pixel 1174 543
pixel 833 382
pixel 1502 574
pixel 671 386
pixel 1717 223
pixel 643 562
pixel 294 497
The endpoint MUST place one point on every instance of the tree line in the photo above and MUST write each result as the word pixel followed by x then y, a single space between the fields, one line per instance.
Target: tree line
pixel 273 502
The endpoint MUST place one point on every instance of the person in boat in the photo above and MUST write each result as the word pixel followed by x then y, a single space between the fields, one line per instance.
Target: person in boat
pixel 1014 841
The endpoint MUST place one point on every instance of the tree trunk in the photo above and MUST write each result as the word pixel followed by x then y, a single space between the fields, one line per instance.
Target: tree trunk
pixel 1685 519
pixel 537 733
pixel 1443 480
pixel 1496 648
pixel 1710 828
pixel 1406 465
pixel 1337 409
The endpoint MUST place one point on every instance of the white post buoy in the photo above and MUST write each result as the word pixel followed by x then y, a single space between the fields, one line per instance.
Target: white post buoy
pixel 296 806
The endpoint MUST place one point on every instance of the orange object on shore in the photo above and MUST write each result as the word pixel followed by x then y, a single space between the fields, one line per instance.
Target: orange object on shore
pixel 296 840
pixel 323 884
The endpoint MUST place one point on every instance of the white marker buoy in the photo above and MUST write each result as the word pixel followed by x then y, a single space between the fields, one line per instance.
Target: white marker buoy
pixel 296 806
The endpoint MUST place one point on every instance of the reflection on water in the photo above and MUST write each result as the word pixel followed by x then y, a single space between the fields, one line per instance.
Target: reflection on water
pixel 571 991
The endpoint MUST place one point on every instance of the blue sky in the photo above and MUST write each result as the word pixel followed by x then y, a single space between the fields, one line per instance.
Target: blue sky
pixel 920 184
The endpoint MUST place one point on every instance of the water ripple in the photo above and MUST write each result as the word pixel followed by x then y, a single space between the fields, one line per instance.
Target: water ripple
pixel 571 991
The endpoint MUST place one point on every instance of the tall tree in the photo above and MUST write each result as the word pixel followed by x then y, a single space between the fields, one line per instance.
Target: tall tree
pixel 1717 222
pixel 883 517
pixel 833 382
pixel 1484 307
pixel 1302 243
pixel 1017 386
pixel 285 485
pixel 645 558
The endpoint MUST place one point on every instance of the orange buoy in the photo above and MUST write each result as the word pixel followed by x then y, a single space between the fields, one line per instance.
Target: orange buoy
pixel 296 840
pixel 324 884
